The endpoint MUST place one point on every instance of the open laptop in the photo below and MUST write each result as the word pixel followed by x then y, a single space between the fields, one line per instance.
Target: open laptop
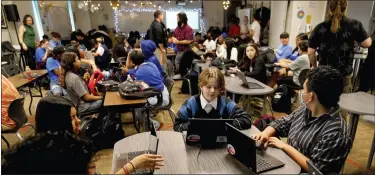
pixel 227 72
pixel 208 133
pixel 312 170
pixel 247 84
pixel 243 148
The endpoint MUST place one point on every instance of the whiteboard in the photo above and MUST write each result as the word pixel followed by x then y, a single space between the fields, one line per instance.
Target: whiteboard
pixel 193 19
pixel 58 21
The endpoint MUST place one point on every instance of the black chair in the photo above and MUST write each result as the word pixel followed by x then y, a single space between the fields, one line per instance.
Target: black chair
pixel 73 97
pixel 17 113
pixel 168 82
pixel 10 70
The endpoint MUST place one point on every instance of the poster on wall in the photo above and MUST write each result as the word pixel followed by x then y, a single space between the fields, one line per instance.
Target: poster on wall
pixel 4 24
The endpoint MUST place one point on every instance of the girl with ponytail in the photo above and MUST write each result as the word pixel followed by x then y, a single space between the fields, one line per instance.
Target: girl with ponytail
pixel 336 40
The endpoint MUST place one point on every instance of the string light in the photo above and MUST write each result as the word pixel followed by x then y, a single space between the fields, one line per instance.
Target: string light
pixel 226 4
pixel 152 10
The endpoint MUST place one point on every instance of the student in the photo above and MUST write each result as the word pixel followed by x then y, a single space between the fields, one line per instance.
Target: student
pixel 315 131
pixel 255 28
pixel 83 41
pixel 56 114
pixel 198 38
pixel 335 39
pixel 235 29
pixel 210 104
pixel 245 27
pixel 41 54
pixel 101 55
pixel 9 93
pixel 221 51
pixel 296 66
pixel 64 153
pixel 209 44
pixel 171 46
pixel 55 41
pixel 252 64
pixel 53 68
pixel 71 81
pixel 119 50
pixel 285 49
pixel 295 54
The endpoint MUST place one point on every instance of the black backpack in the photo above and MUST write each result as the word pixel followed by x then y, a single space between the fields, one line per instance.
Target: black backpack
pixel 193 77
pixel 103 131
pixel 281 102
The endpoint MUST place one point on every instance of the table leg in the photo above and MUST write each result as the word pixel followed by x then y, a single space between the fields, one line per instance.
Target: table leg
pixel 31 100
pixel 134 121
pixel 148 118
pixel 353 123
pixel 371 156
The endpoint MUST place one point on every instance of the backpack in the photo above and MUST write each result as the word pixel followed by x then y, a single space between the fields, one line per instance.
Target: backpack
pixel 281 101
pixel 268 55
pixel 262 122
pixel 132 90
pixel 103 131
pixel 95 78
pixel 193 77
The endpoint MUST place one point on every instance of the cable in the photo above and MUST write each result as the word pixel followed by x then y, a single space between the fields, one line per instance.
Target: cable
pixel 200 149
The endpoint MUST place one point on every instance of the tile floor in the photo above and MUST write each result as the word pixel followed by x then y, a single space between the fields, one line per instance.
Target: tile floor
pixel 357 159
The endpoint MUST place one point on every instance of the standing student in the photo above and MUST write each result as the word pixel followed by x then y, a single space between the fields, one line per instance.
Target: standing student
pixel 367 71
pixel 70 80
pixel 26 37
pixel 183 37
pixel 210 104
pixel 255 28
pixel 41 54
pixel 158 34
pixel 335 39
pixel 55 41
pixel 315 131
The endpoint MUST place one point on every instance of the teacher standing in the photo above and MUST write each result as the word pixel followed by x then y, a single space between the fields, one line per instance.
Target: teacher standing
pixel 158 34
pixel 183 37
pixel 27 40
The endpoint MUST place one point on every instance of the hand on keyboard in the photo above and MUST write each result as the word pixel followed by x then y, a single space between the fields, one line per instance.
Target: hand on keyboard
pixel 147 161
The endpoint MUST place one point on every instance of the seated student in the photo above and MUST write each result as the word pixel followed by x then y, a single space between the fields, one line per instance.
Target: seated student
pixel 9 93
pixel 101 55
pixel 210 104
pixel 42 53
pixel 45 37
pixel 252 65
pixel 55 41
pixel 209 44
pixel 221 51
pixel 64 153
pixel 56 114
pixel 53 68
pixel 86 66
pixel 83 41
pixel 75 44
pixel 302 62
pixel 71 81
pixel 119 51
pixel 300 37
pixel 285 49
pixel 171 46
pixel 198 38
pixel 315 131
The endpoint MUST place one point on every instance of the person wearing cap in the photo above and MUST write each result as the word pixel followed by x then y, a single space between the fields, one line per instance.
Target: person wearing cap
pixel 55 41
pixel 102 54
pixel 53 68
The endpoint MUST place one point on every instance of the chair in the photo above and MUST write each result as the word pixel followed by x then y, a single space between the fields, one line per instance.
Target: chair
pixel 18 115
pixel 179 78
pixel 73 97
pixel 168 82
pixel 10 70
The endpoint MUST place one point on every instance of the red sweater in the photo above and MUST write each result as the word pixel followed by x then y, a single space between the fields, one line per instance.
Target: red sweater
pixel 234 30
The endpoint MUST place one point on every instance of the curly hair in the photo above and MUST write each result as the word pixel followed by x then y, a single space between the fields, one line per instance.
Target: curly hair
pixel 327 83
pixel 49 153
pixel 67 64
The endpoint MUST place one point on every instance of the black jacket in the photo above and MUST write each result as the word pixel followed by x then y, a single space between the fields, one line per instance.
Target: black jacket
pixel 158 33
pixel 259 71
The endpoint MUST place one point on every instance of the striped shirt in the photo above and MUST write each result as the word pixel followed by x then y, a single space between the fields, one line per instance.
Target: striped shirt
pixel 324 140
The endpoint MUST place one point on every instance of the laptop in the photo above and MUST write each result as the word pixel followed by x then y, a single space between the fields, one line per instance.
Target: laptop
pixel 243 148
pixel 226 72
pixel 312 170
pixel 208 133
pixel 153 146
pixel 246 84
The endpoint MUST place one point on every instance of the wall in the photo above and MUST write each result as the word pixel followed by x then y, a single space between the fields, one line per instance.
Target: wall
pixel 82 19
pixel 23 7
pixel 213 13
pixel 360 10
pixel 277 22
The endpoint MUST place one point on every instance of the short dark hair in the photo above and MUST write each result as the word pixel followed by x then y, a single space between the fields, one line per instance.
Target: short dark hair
pixel 170 35
pixel 80 33
pixel 327 83
pixel 53 114
pixel 137 57
pixel 55 35
pixel 183 18
pixel 49 153
pixel 25 18
pixel 45 37
pixel 256 16
pixel 196 34
pixel 58 50
pixel 284 35
pixel 157 13
pixel 302 36
pixel 303 45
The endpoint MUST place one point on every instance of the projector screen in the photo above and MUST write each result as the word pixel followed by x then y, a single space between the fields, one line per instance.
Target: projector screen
pixel 171 19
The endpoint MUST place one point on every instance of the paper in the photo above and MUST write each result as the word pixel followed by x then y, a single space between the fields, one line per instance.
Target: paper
pixel 308 19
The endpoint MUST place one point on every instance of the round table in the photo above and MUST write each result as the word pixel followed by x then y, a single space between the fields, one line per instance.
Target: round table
pixel 182 159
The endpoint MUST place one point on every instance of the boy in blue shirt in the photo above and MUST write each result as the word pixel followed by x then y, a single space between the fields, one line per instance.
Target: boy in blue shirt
pixel 171 46
pixel 53 68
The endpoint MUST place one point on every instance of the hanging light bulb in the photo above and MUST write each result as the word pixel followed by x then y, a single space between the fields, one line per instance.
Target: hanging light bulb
pixel 126 2
pixel 169 1
pixel 154 6
pixel 98 5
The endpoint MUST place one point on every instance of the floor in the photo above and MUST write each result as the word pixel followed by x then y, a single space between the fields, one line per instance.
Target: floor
pixel 357 159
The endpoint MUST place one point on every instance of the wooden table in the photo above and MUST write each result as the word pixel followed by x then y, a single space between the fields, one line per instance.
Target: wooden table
pixel 19 81
pixel 182 159
pixel 115 103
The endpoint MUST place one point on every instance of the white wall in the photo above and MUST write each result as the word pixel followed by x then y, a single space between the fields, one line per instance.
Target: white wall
pixel 360 10
pixel 277 22
pixel 82 18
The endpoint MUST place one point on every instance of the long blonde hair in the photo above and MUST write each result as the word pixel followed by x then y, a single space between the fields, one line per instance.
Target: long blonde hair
pixel 337 10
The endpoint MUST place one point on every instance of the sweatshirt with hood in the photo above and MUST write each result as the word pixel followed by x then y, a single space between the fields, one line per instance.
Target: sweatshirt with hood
pixel 148 48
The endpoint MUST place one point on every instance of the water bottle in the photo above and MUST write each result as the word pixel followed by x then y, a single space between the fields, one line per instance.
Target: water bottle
pixel 129 78
pixel 28 72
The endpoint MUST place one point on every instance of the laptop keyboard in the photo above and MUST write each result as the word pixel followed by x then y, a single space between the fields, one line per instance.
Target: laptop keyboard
pixel 262 164
pixel 254 85
pixel 132 155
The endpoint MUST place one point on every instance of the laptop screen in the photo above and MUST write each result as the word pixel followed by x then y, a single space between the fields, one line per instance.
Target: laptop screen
pixel 242 77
